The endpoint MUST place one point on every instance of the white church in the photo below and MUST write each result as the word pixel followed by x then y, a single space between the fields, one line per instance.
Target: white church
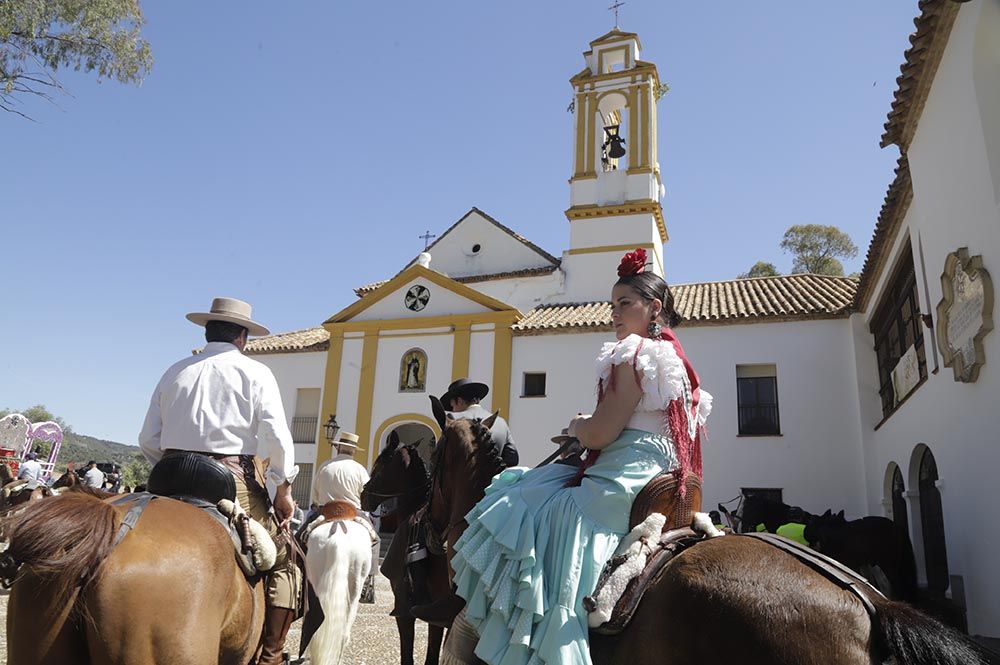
pixel 878 395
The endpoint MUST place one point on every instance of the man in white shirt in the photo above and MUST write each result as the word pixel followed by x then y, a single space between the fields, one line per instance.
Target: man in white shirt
pixel 31 470
pixel 94 477
pixel 225 405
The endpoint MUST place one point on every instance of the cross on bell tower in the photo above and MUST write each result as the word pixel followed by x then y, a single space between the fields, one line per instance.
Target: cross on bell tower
pixel 427 238
pixel 614 8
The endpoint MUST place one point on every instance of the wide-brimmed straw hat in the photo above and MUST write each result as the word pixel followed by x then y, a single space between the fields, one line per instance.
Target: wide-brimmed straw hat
pixel 230 310
pixel 562 437
pixel 345 438
pixel 466 389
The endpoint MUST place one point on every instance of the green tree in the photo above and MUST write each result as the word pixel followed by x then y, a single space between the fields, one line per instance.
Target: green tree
pixel 40 37
pixel 136 472
pixel 760 269
pixel 38 413
pixel 816 248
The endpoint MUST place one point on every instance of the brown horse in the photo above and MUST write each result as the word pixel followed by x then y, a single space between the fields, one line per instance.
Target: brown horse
pixel 399 473
pixel 732 599
pixel 170 591
pixel 13 496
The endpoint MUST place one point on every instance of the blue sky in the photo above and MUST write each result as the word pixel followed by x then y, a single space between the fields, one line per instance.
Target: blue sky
pixel 286 156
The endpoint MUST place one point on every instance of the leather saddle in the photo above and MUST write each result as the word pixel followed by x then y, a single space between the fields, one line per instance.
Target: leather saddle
pixel 203 482
pixel 660 495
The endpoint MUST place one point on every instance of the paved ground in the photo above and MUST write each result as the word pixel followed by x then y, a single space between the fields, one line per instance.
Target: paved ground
pixel 374 640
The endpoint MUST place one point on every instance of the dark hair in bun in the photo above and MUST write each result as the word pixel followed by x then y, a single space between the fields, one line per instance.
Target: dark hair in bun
pixel 651 286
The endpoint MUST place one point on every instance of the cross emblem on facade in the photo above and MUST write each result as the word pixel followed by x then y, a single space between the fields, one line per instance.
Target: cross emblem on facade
pixel 427 239
pixel 614 8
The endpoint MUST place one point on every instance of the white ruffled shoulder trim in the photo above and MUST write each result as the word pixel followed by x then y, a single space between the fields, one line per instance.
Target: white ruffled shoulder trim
pixel 661 371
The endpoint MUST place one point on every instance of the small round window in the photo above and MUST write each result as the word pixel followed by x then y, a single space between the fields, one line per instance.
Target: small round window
pixel 476 248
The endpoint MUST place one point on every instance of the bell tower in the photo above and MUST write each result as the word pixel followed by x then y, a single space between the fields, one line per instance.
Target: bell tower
pixel 616 187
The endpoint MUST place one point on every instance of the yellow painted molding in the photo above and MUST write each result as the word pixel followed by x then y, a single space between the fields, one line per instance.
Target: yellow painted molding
pixel 460 352
pixel 508 318
pixel 610 248
pixel 648 111
pixel 624 49
pixel 647 206
pixel 366 395
pixel 640 170
pixel 633 125
pixel 414 272
pixel 644 70
pixel 591 147
pixel 395 420
pixel 582 118
pixel 584 176
pixel 331 385
pixel 503 351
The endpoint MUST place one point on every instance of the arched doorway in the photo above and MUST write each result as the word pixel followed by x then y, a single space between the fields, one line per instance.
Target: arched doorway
pixel 411 429
pixel 413 434
pixel 900 519
pixel 932 525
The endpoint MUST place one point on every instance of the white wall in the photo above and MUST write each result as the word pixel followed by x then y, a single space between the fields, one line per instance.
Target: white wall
pixel 442 302
pixel 524 293
pixel 954 205
pixel 293 371
pixel 817 458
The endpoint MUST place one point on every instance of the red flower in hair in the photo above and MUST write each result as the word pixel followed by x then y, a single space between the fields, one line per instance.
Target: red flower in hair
pixel 632 263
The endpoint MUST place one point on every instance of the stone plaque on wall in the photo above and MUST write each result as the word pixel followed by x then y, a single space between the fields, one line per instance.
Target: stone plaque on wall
pixel 965 314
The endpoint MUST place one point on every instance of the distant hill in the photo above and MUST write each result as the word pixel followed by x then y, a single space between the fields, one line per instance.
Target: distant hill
pixel 80 449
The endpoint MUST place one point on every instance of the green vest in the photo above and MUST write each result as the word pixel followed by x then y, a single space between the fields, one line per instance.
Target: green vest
pixel 794 531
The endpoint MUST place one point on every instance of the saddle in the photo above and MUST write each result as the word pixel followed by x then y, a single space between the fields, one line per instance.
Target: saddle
pixel 660 528
pixel 205 483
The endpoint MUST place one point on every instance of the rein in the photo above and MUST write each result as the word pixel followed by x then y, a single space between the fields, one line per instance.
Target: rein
pixel 413 490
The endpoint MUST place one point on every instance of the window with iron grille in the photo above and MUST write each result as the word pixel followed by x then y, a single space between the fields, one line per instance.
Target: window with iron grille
pixel 534 384
pixel 896 326
pixel 302 487
pixel 757 400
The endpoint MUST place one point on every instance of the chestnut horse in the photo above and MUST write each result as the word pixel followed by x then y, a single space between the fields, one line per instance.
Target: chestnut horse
pixel 169 591
pixel 732 599
pixel 399 473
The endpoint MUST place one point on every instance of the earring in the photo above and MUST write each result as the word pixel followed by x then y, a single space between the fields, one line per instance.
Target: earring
pixel 654 329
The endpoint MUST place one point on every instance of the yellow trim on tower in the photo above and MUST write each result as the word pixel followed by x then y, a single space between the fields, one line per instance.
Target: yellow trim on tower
pixel 460 351
pixel 503 351
pixel 591 148
pixel 366 395
pixel 401 418
pixel 610 248
pixel 331 385
pixel 648 111
pixel 647 206
pixel 633 126
pixel 625 60
pixel 581 133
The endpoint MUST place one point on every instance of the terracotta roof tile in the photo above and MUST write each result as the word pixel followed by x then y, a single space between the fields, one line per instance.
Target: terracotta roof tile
pixel 760 299
pixel 299 341
pixel 890 219
pixel 917 71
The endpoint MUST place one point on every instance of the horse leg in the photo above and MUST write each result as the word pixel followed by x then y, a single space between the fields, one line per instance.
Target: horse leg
pixel 405 626
pixel 435 634
pixel 41 630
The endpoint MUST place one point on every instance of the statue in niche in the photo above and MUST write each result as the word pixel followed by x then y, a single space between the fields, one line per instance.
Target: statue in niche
pixel 413 371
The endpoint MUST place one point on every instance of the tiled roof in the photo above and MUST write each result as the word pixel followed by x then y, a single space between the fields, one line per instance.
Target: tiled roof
pixel 917 71
pixel 759 299
pixel 897 201
pixel 299 341
pixel 472 279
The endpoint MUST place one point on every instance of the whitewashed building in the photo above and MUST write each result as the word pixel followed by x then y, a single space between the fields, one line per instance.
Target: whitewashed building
pixel 830 392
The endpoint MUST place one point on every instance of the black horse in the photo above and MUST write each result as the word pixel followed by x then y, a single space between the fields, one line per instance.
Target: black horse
pixel 757 509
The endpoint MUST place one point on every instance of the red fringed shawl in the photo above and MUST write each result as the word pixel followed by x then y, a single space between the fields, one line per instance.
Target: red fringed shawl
pixel 680 420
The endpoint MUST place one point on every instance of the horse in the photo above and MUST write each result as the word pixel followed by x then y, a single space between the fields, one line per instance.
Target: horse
pixel 757 509
pixel 338 560
pixel 399 473
pixel 16 493
pixel 82 586
pixel 863 543
pixel 730 599
pixel 68 480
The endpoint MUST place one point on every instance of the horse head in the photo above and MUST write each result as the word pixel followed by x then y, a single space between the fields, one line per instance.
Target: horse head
pixel 68 479
pixel 398 471
pixel 825 532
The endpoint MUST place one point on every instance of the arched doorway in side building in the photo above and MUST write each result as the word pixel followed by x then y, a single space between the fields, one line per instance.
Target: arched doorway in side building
pixel 924 475
pixel 411 429
pixel 894 495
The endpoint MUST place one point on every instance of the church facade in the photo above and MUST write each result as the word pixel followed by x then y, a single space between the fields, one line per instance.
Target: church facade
pixel 875 396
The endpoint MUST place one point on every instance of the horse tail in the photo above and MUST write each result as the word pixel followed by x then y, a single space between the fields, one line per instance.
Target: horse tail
pixel 913 638
pixel 338 561
pixel 62 538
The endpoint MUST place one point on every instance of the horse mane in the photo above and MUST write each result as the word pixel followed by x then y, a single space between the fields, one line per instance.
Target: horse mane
pixel 486 461
pixel 62 539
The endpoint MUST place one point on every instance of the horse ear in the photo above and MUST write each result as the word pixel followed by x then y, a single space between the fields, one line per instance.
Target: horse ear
pixel 393 440
pixel 828 513
pixel 488 423
pixel 439 413
pixel 840 515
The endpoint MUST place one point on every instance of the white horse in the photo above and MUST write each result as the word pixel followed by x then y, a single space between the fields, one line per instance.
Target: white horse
pixel 338 559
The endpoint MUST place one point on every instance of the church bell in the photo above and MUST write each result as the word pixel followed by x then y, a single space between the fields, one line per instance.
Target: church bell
pixel 614 145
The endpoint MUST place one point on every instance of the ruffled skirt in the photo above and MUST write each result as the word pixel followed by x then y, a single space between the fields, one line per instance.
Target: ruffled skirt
pixel 534 548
